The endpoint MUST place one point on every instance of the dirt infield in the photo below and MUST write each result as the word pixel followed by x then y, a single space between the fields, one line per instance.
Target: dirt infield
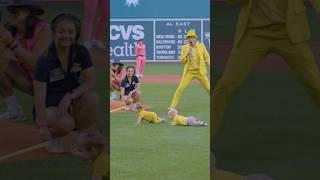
pixel 16 136
pixel 151 79
pixel 221 51
pixel 164 79
pixel 115 104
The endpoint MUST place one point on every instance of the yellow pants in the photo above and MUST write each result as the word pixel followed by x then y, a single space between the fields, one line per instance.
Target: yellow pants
pixel 250 51
pixel 184 83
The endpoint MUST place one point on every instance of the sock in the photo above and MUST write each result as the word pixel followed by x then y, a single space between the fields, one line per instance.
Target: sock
pixel 12 103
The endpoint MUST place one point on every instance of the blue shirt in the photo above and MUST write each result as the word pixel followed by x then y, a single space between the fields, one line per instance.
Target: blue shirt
pixel 128 87
pixel 59 82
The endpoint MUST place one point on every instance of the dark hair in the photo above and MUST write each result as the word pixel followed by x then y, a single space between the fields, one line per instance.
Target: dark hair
pixel 30 26
pixel 130 67
pixel 66 16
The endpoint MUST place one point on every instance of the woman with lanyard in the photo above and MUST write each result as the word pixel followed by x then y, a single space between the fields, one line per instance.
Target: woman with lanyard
pixel 64 101
pixel 130 88
pixel 22 40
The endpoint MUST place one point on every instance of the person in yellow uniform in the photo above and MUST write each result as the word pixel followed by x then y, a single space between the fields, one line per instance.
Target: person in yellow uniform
pixel 264 27
pixel 194 56
pixel 148 116
pixel 178 120
pixel 226 175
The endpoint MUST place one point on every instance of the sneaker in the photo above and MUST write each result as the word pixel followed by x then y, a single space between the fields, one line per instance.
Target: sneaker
pixel 205 124
pixel 113 96
pixel 12 116
pixel 99 44
pixel 55 146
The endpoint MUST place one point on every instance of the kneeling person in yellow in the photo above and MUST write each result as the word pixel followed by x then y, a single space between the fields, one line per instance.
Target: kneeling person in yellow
pixel 149 116
pixel 178 120
pixel 91 145
pixel 194 56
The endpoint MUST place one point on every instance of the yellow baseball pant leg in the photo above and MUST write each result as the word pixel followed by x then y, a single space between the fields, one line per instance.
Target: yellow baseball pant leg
pixel 301 61
pixel 204 81
pixel 184 83
pixel 241 61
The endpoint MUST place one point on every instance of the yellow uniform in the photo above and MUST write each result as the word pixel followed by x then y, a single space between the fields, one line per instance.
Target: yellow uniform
pixel 149 116
pixel 100 166
pixel 179 120
pixel 194 68
pixel 224 175
pixel 284 33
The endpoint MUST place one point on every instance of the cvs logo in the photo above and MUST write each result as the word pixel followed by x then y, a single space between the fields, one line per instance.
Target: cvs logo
pixel 134 31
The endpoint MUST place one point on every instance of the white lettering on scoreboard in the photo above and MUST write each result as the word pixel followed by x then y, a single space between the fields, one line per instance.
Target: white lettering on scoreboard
pixel 164 38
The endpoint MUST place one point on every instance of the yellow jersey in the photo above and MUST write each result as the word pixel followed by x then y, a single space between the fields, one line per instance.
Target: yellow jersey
pixel 224 175
pixel 101 166
pixel 149 116
pixel 179 120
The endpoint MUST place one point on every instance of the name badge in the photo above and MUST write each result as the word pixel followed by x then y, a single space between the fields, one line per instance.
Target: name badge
pixel 76 67
pixel 56 75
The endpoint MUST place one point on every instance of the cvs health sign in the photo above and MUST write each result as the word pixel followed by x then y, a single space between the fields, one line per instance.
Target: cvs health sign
pixel 124 36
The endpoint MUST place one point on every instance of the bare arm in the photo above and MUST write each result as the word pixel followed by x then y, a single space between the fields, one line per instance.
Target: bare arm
pixel 89 77
pixel 26 56
pixel 40 93
pixel 136 89
pixel 139 120
pixel 122 93
pixel 121 77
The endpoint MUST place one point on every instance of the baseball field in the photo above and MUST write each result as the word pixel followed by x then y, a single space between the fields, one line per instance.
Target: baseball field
pixel 271 125
pixel 38 164
pixel 161 151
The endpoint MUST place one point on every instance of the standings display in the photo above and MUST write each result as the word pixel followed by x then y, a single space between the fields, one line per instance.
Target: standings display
pixel 163 37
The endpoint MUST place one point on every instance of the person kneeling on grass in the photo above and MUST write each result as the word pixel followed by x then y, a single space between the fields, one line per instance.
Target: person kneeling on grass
pixel 182 120
pixel 117 74
pixel 90 145
pixel 149 116
pixel 130 89
pixel 64 83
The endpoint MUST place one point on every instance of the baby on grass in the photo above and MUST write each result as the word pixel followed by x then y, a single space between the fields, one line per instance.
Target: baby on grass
pixel 148 116
pixel 178 120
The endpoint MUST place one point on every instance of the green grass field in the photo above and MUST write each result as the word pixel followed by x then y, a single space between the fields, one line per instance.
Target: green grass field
pixel 54 168
pixel 149 151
